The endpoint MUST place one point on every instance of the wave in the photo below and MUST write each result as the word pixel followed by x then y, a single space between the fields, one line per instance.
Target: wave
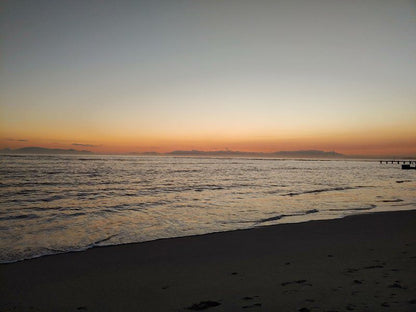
pixel 22 200
pixel 184 171
pixel 90 159
pixel 208 188
pixel 46 251
pixel 37 184
pixel 397 200
pixel 278 217
pixel 404 204
pixel 331 189
pixel 23 216
pixel 102 240
pixel 153 190
pixel 76 214
pixel 52 198
pixel 372 206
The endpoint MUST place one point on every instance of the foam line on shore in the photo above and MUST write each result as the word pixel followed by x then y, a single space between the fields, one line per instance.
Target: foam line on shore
pixel 323 190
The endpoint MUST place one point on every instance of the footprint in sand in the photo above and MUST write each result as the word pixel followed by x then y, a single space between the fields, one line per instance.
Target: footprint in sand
pixel 247 298
pixel 396 285
pixel 203 305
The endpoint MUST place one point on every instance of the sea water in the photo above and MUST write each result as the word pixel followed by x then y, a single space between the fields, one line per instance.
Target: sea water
pixel 53 204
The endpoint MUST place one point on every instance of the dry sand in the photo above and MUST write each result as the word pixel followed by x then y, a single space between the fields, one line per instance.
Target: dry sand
pixel 359 263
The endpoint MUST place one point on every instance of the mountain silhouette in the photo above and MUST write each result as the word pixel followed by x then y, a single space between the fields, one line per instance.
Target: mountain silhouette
pixel 43 150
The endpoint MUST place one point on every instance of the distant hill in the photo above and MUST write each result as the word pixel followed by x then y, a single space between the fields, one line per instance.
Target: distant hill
pixel 195 153
pixel 42 150
pixel 282 154
pixel 307 153
pixel 213 153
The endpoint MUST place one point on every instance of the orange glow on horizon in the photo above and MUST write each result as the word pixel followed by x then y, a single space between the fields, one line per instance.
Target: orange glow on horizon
pixel 375 142
pixel 389 139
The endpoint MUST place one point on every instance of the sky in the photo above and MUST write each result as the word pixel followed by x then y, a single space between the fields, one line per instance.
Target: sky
pixel 164 75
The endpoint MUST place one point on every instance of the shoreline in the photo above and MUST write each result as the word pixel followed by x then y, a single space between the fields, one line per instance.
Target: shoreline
pixel 291 219
pixel 364 262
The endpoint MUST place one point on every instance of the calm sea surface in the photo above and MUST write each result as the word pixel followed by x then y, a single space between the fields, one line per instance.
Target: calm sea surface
pixel 53 204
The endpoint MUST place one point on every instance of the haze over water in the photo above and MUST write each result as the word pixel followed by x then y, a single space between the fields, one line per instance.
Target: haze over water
pixel 53 204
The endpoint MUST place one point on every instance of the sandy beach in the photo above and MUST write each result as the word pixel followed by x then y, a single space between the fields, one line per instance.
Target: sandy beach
pixel 358 263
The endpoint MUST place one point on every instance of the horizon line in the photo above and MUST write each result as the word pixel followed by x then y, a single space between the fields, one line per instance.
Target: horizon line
pixel 306 153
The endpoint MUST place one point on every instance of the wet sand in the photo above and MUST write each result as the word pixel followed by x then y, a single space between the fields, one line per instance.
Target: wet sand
pixel 359 263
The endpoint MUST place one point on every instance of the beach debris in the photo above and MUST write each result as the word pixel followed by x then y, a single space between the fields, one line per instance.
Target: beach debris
pixel 203 305
pixel 395 285
pixel 357 282
pixel 247 298
pixel 385 304
pixel 304 310
pixel 83 308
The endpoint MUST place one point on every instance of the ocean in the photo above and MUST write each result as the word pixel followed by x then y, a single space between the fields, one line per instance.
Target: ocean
pixel 52 204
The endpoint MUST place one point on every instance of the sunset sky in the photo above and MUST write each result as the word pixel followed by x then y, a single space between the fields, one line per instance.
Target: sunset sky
pixel 131 76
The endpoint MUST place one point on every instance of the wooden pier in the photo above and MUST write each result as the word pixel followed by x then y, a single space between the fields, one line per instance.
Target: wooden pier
pixel 406 164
